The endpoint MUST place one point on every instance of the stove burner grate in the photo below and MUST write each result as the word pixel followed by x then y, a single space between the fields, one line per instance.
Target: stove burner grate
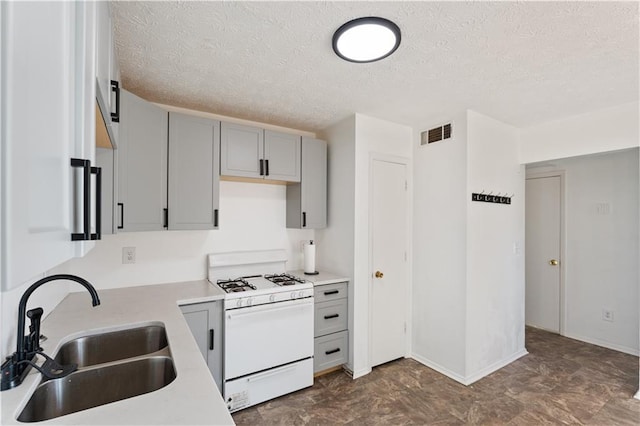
pixel 284 279
pixel 235 285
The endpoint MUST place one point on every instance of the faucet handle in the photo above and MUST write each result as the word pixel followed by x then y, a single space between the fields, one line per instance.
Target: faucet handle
pixel 33 339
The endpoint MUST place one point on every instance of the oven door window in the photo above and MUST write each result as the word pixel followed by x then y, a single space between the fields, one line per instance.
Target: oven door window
pixel 266 336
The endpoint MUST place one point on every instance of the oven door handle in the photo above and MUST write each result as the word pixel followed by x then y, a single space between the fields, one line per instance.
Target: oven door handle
pixel 271 373
pixel 271 307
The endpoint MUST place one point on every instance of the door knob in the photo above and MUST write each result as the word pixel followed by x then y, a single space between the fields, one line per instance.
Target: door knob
pixel 553 262
pixel 379 274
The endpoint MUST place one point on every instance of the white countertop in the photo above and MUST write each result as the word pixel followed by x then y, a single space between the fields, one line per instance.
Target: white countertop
pixel 192 398
pixel 321 279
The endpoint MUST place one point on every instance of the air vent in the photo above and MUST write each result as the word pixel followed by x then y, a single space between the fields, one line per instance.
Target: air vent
pixel 436 134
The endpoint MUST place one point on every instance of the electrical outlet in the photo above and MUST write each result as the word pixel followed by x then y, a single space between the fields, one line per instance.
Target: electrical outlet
pixel 302 243
pixel 607 315
pixel 128 255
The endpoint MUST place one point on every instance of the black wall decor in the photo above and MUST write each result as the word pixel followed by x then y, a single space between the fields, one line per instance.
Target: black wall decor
pixel 490 198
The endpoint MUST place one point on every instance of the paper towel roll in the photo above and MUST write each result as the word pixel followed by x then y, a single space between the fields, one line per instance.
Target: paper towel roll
pixel 310 258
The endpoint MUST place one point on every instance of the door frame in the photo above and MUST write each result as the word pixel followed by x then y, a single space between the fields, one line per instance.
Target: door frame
pixel 563 254
pixel 377 156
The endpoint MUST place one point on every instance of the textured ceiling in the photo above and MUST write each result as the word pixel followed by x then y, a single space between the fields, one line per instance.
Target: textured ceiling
pixel 523 63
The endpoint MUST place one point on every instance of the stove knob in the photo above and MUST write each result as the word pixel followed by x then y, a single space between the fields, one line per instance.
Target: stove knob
pixel 293 295
pixel 272 298
pixel 239 303
pixel 301 294
pixel 249 302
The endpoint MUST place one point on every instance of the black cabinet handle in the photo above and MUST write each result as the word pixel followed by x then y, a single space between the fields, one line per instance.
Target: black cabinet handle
pixel 215 218
pixel 98 172
pixel 211 335
pixel 115 87
pixel 166 218
pixel 121 226
pixel 326 293
pixel 266 162
pixel 261 167
pixel 86 193
pixel 331 316
pixel 304 219
pixel 332 351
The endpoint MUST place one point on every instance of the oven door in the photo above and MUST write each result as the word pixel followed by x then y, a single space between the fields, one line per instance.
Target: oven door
pixel 266 336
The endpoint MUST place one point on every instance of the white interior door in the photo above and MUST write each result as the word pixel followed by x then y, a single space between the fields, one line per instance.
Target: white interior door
pixel 389 274
pixel 542 249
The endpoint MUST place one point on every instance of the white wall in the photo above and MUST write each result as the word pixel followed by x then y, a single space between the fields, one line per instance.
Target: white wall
pixel 495 241
pixel 439 250
pixel 335 244
pixel 601 257
pixel 598 131
pixel 252 217
pixel 344 246
pixel 468 284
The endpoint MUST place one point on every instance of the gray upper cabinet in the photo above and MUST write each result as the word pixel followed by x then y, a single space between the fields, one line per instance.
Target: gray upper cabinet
pixel 256 153
pixel 242 148
pixel 142 165
pixel 193 172
pixel 281 156
pixel 307 200
pixel 107 71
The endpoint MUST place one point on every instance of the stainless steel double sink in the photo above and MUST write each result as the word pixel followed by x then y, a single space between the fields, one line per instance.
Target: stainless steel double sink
pixel 112 366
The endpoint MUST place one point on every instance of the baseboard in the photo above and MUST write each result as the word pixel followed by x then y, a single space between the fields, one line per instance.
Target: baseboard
pixel 637 395
pixel 360 373
pixel 440 369
pixel 604 344
pixel 495 367
pixel 473 377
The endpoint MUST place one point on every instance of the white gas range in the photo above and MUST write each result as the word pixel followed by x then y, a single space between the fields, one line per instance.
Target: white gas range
pixel 268 326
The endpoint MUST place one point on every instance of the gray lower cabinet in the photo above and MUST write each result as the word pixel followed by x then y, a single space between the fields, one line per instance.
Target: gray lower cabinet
pixel 307 200
pixel 205 322
pixel 194 173
pixel 251 152
pixel 142 165
pixel 331 343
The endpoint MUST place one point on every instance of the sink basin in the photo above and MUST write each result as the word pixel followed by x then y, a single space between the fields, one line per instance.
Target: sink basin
pixel 112 346
pixel 98 386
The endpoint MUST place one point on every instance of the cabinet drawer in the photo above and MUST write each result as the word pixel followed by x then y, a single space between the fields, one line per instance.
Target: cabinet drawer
pixel 324 293
pixel 330 351
pixel 330 317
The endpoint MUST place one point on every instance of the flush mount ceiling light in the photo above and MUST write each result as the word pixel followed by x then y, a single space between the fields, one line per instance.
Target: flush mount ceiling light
pixel 366 39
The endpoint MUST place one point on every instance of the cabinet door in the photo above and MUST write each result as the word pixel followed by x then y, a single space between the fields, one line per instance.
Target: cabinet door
pixel 38 137
pixel 241 151
pixel 307 201
pixel 282 156
pixel 205 322
pixel 103 52
pixel 142 165
pixel 105 159
pixel 194 144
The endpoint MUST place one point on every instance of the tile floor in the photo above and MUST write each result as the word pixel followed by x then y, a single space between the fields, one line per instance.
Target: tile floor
pixel 561 381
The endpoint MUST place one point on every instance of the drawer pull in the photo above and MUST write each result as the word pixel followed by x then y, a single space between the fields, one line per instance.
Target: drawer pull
pixel 331 316
pixel 326 293
pixel 332 351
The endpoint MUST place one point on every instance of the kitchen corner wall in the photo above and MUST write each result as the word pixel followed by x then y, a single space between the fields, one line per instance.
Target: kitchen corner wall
pixel 468 291
pixel 252 217
pixel 343 247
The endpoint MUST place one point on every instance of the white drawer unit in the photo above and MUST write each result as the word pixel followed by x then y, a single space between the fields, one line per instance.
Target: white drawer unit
pixel 331 343
pixel 331 350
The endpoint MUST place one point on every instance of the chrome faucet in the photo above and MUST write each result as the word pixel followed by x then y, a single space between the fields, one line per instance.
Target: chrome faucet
pixel 16 366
